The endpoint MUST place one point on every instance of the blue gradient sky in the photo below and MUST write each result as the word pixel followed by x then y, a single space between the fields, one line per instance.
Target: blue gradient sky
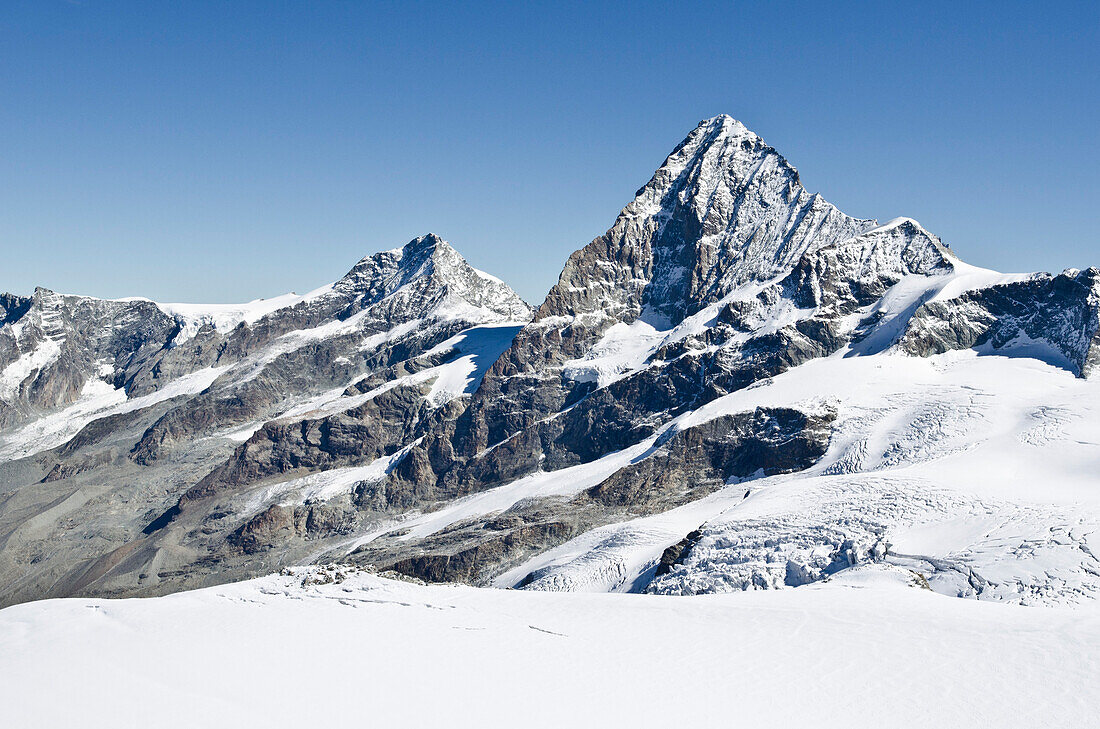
pixel 226 151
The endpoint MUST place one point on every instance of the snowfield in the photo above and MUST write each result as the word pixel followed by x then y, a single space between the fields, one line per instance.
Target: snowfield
pixel 979 472
pixel 867 649
pixel 98 400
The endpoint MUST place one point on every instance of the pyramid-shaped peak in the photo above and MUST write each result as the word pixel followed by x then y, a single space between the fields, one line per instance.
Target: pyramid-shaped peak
pixel 724 209
pixel 414 254
pixel 428 243
pixel 727 125
pixel 429 254
pixel 429 266
pixel 716 136
pixel 718 152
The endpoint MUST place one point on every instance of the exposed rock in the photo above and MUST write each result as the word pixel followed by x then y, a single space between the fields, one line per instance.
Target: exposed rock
pixel 676 552
pixel 474 550
pixel 1056 318
pixel 724 210
pixel 202 373
pixel 66 470
pixel 683 466
pixel 701 458
pixel 376 428
pixel 271 526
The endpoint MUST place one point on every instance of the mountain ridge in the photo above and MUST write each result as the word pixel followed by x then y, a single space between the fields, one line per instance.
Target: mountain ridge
pixel 384 419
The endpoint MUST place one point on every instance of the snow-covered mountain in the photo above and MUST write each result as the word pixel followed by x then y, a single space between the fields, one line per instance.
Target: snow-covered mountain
pixel 114 407
pixel 736 387
pixel 631 412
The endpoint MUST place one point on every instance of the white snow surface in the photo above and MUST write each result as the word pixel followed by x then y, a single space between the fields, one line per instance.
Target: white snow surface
pixel 12 376
pixel 864 650
pixel 98 400
pixel 979 472
pixel 627 348
pixel 972 474
pixel 227 317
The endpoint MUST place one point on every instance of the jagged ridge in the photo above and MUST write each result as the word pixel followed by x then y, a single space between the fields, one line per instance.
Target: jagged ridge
pixel 400 387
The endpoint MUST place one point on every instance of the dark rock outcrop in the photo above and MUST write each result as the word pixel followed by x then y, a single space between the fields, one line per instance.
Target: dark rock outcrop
pixel 694 461
pixel 1056 318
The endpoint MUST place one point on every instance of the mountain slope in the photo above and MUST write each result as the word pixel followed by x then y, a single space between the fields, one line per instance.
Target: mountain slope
pixel 142 400
pixel 646 327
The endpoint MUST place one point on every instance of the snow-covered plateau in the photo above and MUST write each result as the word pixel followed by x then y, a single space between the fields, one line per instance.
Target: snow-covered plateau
pixel 333 647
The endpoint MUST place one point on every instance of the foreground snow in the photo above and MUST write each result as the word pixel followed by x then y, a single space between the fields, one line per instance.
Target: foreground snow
pixel 865 649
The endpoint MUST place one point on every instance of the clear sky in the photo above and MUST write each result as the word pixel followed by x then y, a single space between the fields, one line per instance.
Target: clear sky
pixel 223 151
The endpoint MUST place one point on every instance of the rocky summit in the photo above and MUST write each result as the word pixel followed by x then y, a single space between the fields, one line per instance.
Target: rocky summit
pixel 736 387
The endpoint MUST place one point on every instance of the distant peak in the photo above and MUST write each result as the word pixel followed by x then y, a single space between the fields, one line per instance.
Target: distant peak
pixel 431 262
pixel 414 252
pixel 727 123
pixel 427 242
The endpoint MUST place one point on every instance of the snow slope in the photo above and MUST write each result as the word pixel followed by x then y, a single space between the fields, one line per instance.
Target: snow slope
pixel 977 471
pixel 870 650
pixel 98 400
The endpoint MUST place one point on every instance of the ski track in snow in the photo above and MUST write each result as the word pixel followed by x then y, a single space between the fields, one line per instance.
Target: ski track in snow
pixel 328 647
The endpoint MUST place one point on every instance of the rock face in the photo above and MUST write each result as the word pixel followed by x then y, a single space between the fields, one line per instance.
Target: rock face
pixel 52 346
pixel 705 456
pixel 416 415
pixel 683 465
pixel 724 211
pixel 645 323
pixel 120 404
pixel 389 308
pixel 1050 317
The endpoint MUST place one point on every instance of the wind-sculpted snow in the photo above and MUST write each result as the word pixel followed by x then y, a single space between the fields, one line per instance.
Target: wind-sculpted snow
pixel 868 649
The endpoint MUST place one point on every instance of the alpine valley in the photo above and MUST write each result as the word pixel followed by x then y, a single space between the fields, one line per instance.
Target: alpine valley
pixel 737 387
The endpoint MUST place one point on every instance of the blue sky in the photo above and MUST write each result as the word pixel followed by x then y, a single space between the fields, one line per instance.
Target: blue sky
pixel 226 151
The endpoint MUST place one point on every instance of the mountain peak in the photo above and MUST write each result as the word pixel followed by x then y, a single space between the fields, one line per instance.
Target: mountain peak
pixel 411 257
pixel 723 210
pixel 430 264
pixel 727 126
pixel 427 243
